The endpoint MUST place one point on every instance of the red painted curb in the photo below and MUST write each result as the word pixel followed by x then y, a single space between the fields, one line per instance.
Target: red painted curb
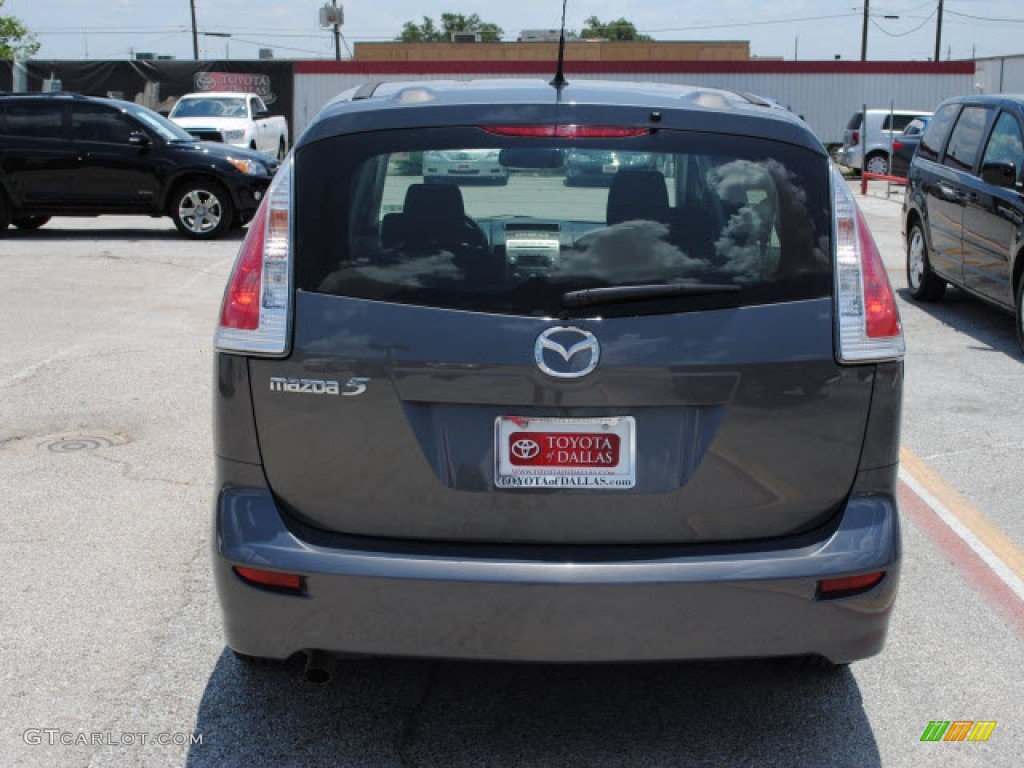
pixel 980 576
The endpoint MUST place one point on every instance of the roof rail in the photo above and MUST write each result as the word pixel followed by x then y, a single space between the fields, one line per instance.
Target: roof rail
pixel 365 91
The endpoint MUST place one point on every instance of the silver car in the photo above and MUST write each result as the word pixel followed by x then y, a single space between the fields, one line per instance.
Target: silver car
pixel 872 143
pixel 463 166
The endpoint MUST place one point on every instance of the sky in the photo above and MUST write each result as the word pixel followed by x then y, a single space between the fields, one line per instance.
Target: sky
pixel 803 29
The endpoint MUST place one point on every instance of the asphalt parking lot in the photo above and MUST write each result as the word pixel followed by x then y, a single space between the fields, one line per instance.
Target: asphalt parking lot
pixel 111 634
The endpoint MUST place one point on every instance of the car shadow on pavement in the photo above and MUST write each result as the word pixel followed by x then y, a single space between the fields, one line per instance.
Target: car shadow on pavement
pixel 993 329
pixel 55 234
pixel 434 713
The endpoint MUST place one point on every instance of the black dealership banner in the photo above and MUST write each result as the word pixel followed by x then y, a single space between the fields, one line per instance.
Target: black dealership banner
pixel 159 84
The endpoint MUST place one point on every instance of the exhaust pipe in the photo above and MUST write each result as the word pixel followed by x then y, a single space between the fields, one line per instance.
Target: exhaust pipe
pixel 320 667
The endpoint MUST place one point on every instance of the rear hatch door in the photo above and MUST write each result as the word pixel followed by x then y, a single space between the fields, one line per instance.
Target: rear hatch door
pixel 438 389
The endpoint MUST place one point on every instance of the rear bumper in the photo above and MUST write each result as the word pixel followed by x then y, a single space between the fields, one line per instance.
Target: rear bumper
pixel 650 605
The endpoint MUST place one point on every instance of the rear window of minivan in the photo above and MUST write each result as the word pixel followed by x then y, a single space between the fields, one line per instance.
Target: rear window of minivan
pixel 938 129
pixel 664 208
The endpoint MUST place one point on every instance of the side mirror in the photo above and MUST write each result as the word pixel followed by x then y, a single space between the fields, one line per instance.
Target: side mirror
pixel 139 139
pixel 1000 174
pixel 261 113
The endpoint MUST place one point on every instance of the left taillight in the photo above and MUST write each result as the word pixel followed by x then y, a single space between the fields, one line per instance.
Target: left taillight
pixel 868 325
pixel 254 314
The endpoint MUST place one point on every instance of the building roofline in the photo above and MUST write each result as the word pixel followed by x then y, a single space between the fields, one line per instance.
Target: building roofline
pixel 517 68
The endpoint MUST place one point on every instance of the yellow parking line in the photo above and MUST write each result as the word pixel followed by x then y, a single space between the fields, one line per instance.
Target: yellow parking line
pixel 972 518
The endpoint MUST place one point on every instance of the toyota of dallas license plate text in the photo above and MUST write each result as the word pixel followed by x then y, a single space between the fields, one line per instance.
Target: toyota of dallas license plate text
pixel 565 453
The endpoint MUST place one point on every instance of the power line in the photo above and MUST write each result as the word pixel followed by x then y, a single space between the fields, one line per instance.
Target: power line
pixel 984 18
pixel 884 31
pixel 753 23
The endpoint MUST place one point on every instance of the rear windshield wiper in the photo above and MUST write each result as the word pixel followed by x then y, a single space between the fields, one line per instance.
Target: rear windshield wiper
pixel 623 293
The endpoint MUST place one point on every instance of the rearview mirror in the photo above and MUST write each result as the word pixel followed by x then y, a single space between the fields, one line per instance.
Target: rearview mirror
pixel 532 158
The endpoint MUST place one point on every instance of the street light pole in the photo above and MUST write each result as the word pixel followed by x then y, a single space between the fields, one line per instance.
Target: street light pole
pixel 337 36
pixel 226 36
pixel 195 34
pixel 938 33
pixel 864 33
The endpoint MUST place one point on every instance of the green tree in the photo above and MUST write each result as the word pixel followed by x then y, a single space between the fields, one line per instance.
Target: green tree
pixel 15 39
pixel 429 32
pixel 620 29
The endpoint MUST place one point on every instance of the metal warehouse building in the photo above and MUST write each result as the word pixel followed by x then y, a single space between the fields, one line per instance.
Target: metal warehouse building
pixel 824 93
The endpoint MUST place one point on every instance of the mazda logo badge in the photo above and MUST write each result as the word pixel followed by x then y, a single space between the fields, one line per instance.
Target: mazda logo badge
pixel 566 352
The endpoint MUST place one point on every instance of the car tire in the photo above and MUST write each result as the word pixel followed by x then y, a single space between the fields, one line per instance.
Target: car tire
pixel 877 162
pixel 29 222
pixel 242 220
pixel 202 209
pixel 1020 312
pixel 922 282
pixel 5 213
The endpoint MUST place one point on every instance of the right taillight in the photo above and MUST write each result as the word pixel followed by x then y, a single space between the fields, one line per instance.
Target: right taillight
pixel 867 320
pixel 257 301
pixel 856 138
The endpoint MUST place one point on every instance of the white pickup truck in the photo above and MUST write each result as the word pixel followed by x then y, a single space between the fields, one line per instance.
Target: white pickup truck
pixel 241 119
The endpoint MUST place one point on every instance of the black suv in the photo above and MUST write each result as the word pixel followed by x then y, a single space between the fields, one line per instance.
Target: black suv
pixel 72 155
pixel 538 422
pixel 963 209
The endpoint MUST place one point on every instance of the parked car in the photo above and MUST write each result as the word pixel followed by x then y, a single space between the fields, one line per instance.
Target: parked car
pixel 591 166
pixel 905 145
pixel 72 155
pixel 883 125
pixel 463 166
pixel 550 424
pixel 963 208
pixel 240 119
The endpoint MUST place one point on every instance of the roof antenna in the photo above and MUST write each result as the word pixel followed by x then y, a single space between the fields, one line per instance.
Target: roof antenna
pixel 560 82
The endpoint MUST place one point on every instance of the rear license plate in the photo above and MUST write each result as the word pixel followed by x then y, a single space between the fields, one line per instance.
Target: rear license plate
pixel 596 454
pixel 610 168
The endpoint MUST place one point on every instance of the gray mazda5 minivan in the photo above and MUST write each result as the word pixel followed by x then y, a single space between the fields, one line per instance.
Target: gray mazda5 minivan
pixel 652 420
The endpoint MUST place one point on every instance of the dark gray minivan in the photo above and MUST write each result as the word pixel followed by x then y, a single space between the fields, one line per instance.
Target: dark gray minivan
pixel 657 419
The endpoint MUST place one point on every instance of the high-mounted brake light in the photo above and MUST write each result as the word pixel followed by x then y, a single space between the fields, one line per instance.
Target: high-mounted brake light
pixel 570 131
pixel 254 313
pixel 867 320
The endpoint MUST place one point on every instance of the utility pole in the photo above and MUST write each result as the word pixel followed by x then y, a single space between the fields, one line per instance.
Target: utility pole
pixel 195 33
pixel 864 33
pixel 938 33
pixel 337 36
pixel 333 16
